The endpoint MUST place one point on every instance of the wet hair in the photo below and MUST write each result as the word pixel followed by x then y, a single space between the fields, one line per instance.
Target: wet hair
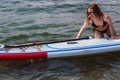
pixel 96 10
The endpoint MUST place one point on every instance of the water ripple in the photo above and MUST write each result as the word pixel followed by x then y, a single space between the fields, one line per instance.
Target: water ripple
pixel 24 21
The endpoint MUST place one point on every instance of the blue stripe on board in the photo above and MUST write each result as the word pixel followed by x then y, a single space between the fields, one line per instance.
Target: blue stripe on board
pixel 81 48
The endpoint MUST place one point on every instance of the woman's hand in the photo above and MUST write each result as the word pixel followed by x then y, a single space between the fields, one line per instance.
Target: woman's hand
pixel 114 37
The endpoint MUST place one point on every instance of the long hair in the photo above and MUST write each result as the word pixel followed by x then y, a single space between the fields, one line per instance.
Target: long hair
pixel 96 10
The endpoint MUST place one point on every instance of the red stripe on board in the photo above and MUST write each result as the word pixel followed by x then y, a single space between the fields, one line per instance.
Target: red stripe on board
pixel 24 56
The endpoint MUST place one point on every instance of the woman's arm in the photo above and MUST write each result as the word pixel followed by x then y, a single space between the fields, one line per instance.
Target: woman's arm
pixel 111 28
pixel 82 29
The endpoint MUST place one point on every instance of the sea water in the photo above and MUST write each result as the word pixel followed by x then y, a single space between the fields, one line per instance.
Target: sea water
pixel 24 21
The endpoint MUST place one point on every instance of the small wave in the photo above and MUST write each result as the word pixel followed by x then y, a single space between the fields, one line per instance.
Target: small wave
pixel 15 39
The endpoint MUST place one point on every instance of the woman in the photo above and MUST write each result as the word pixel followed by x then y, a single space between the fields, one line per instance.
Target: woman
pixel 100 21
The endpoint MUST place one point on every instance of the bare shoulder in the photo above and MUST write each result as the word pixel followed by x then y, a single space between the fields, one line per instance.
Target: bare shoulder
pixel 87 20
pixel 106 17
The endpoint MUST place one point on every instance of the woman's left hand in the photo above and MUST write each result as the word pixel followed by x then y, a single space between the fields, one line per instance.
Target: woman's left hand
pixel 114 37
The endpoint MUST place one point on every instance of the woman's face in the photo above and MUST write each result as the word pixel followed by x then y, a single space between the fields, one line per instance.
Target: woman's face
pixel 90 11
